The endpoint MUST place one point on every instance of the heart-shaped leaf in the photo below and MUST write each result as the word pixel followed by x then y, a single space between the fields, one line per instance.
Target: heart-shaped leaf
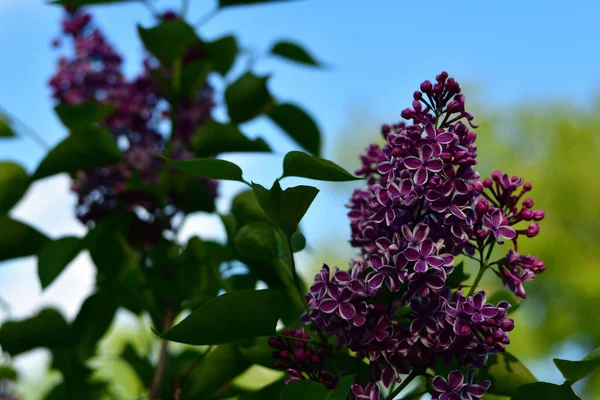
pixel 576 370
pixel 297 163
pixel 168 41
pixel 55 256
pixel 248 97
pixel 298 125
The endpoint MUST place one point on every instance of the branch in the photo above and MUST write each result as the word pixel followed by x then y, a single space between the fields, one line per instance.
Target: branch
pixel 159 371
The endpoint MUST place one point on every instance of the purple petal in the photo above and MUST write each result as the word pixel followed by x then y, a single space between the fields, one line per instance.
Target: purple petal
pixel 435 282
pixel 435 261
pixel 478 300
pixel 425 153
pixel 328 305
pixel 447 188
pixel 457 212
pixel 390 216
pixel 469 309
pixel 421 232
pixel 489 311
pixel 461 328
pixel 421 176
pixel 421 266
pixel 412 162
pixel 451 396
pixel 379 216
pixel 455 380
pixel 430 130
pixel 382 197
pixel 384 167
pixel 343 276
pixel 346 311
pixel 444 138
pixel 496 217
pixel 426 247
pixel 359 320
pixel 439 384
pixel 408 235
pixel 435 165
pixel 460 186
pixel 507 232
pixel 478 389
pixel 375 281
pixel 375 261
pixel 405 187
pixel 411 254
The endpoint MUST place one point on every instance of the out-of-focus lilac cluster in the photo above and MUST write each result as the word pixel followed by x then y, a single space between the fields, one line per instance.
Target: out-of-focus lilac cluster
pixel 300 358
pixel 93 72
pixel 423 206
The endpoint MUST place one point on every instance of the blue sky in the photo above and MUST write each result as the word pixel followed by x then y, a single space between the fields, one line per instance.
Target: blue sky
pixel 377 53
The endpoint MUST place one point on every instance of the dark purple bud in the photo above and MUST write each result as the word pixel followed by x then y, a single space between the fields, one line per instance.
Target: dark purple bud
pixel 316 360
pixel 417 95
pixel 482 206
pixel 507 324
pixel 407 113
pixel 300 356
pixel 478 186
pixel 385 129
pixel 453 107
pixel 426 87
pixel 496 175
pixel 527 214
pixel 527 187
pixel 284 355
pixel 273 342
pixel 528 203
pixel 538 215
pixel 487 182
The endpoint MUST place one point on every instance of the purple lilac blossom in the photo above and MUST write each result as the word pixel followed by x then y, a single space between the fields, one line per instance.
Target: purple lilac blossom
pixel 93 72
pixel 424 205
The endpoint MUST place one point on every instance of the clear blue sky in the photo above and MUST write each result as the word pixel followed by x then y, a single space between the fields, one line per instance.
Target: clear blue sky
pixel 378 52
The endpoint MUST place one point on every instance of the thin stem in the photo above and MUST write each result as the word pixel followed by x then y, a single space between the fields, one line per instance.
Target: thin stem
pixel 206 17
pixel 25 129
pixel 413 374
pixel 482 270
pixel 297 282
pixel 159 371
pixel 178 391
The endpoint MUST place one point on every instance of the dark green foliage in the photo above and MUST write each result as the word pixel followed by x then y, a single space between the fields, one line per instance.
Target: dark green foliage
pixel 88 148
pixel 248 97
pixel 55 256
pixel 215 138
pixel 232 316
pixel 297 163
pixel 258 241
pixel 18 239
pixel 545 391
pixel 298 390
pixel 298 125
pixel 573 371
pixel 14 182
pixel 506 374
pixel 210 168
pixel 81 116
pixel 6 131
pixel 222 53
pixel 458 276
pixel 46 329
pixel 294 52
pixel 168 41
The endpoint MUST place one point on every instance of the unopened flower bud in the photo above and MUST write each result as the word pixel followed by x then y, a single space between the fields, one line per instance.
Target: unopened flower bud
pixel 538 215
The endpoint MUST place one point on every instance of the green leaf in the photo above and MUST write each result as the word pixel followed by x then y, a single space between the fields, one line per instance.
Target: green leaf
pixel 89 148
pixel 230 3
pixel 458 276
pixel 294 52
pixel 258 351
pixel 545 391
pixel 46 329
pixel 300 126
pixel 14 182
pixel 248 97
pixel 506 374
pixel 353 366
pixel 214 138
pixel 297 163
pixel 18 239
pixel 189 192
pixel 217 368
pixel 81 116
pixel 269 392
pixel 242 281
pixel 7 373
pixel 230 317
pixel 298 241
pixel 505 295
pixel 168 41
pixel 576 370
pixel 222 53
pixel 6 131
pixel 141 366
pixel 89 2
pixel 210 168
pixel 93 320
pixel 286 208
pixel 55 256
pixel 300 390
pixel 258 241
pixel 245 208
pixel 193 77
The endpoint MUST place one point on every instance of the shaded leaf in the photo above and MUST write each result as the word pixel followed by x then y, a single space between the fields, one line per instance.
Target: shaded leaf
pixel 545 391
pixel 248 97
pixel 168 40
pixel 269 392
pixel 193 77
pixel 242 281
pixel 91 147
pixel 92 322
pixel 353 366
pixel 297 163
pixel 18 239
pixel 294 52
pixel 214 138
pixel 142 366
pixel 80 116
pixel 230 317
pixel 245 208
pixel 190 193
pixel 506 374
pixel 210 168
pixel 46 329
pixel 258 351
pixel 230 3
pixel 458 276
pixel 6 131
pixel 313 390
pixel 14 182
pixel 505 295
pixel 222 53
pixel 55 256
pixel 300 126
pixel 576 370
pixel 258 241
pixel 298 241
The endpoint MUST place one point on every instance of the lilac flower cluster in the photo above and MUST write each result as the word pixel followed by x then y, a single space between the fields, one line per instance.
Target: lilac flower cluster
pixel 455 387
pixel 423 206
pixel 301 359
pixel 94 73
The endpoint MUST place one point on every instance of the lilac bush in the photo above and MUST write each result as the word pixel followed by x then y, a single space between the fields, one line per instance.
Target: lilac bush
pixel 425 205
